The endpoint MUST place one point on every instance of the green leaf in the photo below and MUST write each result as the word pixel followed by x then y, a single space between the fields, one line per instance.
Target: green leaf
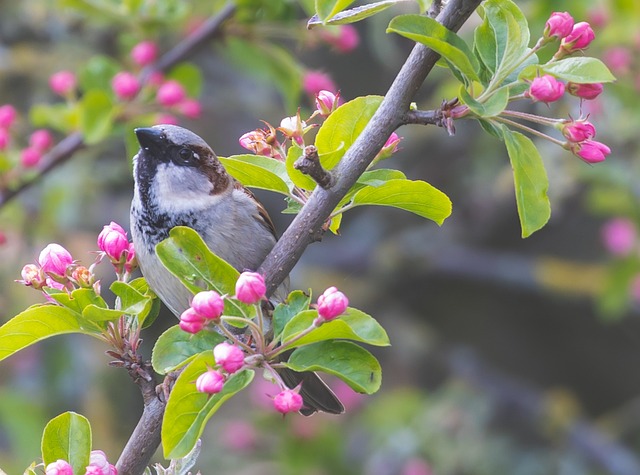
pixel 530 180
pixel 175 346
pixel 344 359
pixel 259 172
pixel 485 45
pixel 187 256
pixel 98 72
pixel 189 76
pixel 326 9
pixel 35 324
pixel 417 197
pixel 61 117
pixel 492 128
pixel 342 128
pixel 67 437
pixel 77 300
pixel 491 107
pixel 188 410
pixel 443 41
pixel 354 14
pixel 96 116
pixel 132 301
pixel 380 176
pixel 296 302
pixel 98 315
pixel 353 325
pixel 579 69
pixel 141 285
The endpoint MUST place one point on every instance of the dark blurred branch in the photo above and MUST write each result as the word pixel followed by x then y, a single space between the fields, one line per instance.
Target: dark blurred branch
pixel 68 146
pixel 387 118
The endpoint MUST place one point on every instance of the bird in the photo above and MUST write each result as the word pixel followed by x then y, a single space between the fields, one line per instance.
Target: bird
pixel 179 181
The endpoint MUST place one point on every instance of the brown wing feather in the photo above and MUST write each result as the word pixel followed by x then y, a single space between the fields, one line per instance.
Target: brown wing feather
pixel 263 216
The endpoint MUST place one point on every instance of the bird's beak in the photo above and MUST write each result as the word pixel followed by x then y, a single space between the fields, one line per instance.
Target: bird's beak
pixel 150 138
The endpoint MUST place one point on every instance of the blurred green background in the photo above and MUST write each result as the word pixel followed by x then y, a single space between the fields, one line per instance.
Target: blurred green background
pixel 509 356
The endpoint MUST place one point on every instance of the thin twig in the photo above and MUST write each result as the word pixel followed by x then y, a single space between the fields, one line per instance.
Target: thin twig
pixel 430 117
pixel 309 164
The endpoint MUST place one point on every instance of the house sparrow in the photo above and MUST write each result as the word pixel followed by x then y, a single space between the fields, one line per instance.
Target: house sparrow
pixel 179 181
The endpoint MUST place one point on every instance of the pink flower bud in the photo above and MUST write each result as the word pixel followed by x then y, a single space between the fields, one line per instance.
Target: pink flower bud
pixel 41 139
pixel 59 467
pixel 144 53
pixel 585 91
pixel 256 141
pixel 619 236
pixel 54 259
pixel 63 83
pixel 93 470
pixel 315 81
pixel 229 357
pixel 167 119
pixel 125 85
pixel 618 59
pixel 326 102
pixel 209 304
pixel 131 263
pixel 558 25
pixel 390 146
pixel 345 40
pixel 580 37
pixel 210 382
pixel 156 79
pixel 332 303
pixel 287 401
pixel 191 321
pixel 113 241
pixel 591 151
pixel 578 130
pixel 5 138
pixel 171 93
pixel 82 276
pixel 545 89
pixel 250 288
pixel 30 157
pixel 32 277
pixel 98 459
pixel 190 108
pixel 293 128
pixel 8 116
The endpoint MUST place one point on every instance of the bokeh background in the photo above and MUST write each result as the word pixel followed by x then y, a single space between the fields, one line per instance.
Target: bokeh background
pixel 508 356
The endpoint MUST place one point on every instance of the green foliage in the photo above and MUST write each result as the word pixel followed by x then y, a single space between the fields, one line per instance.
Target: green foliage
pixel 326 9
pixel 348 361
pixel 353 14
pixel 188 410
pixel 67 437
pixel 296 302
pixel 175 347
pixel 583 70
pixel 255 171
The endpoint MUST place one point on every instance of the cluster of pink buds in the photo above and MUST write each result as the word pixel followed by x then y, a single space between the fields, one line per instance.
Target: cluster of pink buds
pixel 98 465
pixel 114 244
pixel 206 306
pixel 229 359
pixel 40 140
pixel 56 269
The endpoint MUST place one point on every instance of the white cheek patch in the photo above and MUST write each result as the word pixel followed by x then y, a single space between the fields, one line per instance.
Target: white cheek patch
pixel 182 189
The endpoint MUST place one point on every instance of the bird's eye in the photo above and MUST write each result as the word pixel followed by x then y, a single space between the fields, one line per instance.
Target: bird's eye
pixel 186 155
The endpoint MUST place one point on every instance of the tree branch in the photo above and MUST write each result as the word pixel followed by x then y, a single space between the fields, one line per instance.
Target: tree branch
pixel 68 146
pixel 387 118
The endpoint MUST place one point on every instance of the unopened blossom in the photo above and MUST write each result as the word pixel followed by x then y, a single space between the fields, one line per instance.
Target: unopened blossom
pixel 131 263
pixel 578 130
pixel 287 401
pixel 191 321
pixel 63 83
pixel 229 357
pixel 8 116
pixel 591 151
pixel 171 93
pixel 30 157
pixel 250 287
pixel 326 102
pixel 210 382
pixel 585 91
pixel 293 128
pixel 580 38
pixel 559 25
pixel 167 119
pixel 144 53
pixel 390 146
pixel 41 139
pixel 545 89
pixel 98 459
pixel 332 303
pixel 113 241
pixel 125 85
pixel 209 304
pixel 59 467
pixel 619 236
pixel 315 81
pixel 54 259
pixel 190 108
pixel 32 277
pixel 258 142
pixel 82 276
pixel 618 59
pixel 344 38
